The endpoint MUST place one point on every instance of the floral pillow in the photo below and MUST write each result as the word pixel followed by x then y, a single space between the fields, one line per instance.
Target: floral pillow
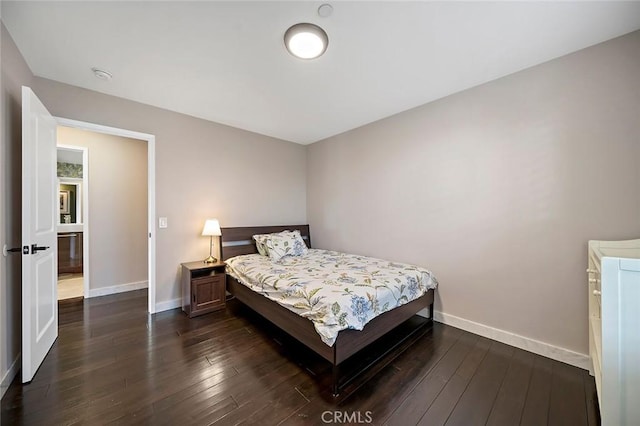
pixel 261 243
pixel 286 244
pixel 261 240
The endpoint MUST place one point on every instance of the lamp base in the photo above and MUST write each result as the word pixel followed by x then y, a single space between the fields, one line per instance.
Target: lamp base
pixel 210 259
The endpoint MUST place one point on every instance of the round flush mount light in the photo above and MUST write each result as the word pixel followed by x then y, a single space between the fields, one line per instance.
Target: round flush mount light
pixel 102 74
pixel 306 41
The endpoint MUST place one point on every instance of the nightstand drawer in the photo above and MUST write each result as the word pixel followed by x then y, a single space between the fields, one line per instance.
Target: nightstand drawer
pixel 207 278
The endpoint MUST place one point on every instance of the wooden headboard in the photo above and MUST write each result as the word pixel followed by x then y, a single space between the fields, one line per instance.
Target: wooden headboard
pixel 237 241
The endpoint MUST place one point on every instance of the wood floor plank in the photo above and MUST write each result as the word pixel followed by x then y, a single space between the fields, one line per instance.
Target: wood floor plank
pixel 508 406
pixel 407 373
pixel 278 400
pixel 536 406
pixel 591 399
pixel 445 402
pixel 285 400
pixel 422 396
pixel 567 405
pixel 115 364
pixel 242 382
pixel 476 402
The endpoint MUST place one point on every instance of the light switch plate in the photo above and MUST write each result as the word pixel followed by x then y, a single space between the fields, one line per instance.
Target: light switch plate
pixel 162 222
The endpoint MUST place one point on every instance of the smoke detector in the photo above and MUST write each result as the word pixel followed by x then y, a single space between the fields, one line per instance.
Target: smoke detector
pixel 102 74
pixel 325 10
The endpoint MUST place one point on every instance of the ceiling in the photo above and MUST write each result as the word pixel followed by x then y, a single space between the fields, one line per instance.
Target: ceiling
pixel 226 62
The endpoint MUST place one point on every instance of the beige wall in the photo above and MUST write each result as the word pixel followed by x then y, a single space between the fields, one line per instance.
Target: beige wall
pixel 15 73
pixel 117 206
pixel 203 169
pixel 497 189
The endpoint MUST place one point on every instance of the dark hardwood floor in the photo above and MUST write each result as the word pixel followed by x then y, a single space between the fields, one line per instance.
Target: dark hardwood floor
pixel 113 363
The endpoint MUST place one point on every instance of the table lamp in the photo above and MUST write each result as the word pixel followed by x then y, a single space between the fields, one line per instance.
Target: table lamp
pixel 211 229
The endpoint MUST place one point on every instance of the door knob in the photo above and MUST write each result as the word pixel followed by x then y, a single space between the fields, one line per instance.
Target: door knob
pixel 35 248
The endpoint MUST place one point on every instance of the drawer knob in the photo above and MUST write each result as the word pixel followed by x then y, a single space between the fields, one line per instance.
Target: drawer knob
pixel 597 292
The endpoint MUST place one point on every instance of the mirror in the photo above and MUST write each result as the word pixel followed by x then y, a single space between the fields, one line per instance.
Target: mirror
pixel 70 173
pixel 70 201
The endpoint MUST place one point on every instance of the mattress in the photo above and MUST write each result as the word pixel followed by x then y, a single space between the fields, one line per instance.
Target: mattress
pixel 336 291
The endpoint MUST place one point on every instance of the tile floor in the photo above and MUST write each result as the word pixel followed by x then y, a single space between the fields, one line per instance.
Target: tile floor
pixel 70 286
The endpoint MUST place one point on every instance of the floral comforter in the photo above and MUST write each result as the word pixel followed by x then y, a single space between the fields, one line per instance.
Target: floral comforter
pixel 334 290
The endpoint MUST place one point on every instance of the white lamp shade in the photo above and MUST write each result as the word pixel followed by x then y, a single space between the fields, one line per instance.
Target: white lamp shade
pixel 211 227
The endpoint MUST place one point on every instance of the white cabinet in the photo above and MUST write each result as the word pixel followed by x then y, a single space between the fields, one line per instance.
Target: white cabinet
pixel 614 329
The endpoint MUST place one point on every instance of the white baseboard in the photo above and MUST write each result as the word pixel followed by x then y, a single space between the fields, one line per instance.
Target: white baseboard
pixel 10 375
pixel 545 349
pixel 121 288
pixel 168 304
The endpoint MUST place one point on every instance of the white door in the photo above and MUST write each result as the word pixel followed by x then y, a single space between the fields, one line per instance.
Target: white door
pixel 39 237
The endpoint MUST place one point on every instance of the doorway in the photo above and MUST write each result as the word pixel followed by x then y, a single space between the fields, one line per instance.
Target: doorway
pixel 103 279
pixel 73 248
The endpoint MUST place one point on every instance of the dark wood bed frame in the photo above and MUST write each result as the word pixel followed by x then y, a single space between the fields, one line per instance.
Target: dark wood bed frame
pixel 238 241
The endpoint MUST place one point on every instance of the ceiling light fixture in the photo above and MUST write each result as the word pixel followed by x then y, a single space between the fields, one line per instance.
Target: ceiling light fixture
pixel 306 41
pixel 102 74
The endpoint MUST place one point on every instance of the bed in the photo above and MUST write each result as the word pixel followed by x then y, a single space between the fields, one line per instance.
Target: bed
pixel 345 343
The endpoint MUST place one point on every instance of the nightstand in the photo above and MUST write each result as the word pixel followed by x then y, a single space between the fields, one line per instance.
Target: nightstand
pixel 203 287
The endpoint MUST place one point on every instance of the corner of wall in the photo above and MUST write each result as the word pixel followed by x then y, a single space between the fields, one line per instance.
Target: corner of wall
pixel 11 373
